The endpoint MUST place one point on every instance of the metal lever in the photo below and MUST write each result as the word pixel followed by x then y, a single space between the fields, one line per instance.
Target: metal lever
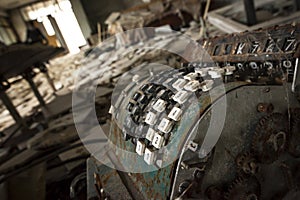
pixel 296 78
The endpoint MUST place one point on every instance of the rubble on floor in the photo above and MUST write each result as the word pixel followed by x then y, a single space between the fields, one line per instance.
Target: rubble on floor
pixel 54 138
pixel 177 14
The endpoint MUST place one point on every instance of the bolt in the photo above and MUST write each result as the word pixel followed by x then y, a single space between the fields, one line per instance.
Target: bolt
pixel 183 186
pixel 266 90
pixel 198 175
pixel 252 197
pixel 265 107
pixel 213 192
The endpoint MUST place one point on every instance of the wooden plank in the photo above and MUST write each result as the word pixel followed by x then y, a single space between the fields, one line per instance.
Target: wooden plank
pixel 225 24
pixel 18 159
pixel 220 19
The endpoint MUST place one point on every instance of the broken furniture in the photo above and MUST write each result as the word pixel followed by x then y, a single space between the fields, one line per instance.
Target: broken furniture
pixel 254 14
pixel 21 59
pixel 177 14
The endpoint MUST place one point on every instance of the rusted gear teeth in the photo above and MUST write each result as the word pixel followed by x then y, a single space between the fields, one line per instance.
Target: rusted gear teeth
pixel 244 188
pixel 270 137
pixel 297 177
pixel 292 181
pixel 214 193
pixel 247 163
pixel 292 194
pixel 294 143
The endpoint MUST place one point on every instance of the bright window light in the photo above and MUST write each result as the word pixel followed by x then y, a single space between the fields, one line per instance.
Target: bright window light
pixel 65 5
pixel 70 30
pixel 65 19
pixel 32 15
pixel 48 26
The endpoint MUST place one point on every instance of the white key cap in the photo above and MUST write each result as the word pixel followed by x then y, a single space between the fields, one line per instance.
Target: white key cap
pixel 192 86
pixel 140 148
pixel 160 105
pixel 181 97
pixel 150 118
pixel 229 70
pixel 175 114
pixel 150 134
pixel 193 146
pixel 207 85
pixel 191 76
pixel 201 71
pixel 216 72
pixel 179 84
pixel 149 156
pixel 165 126
pixel 158 141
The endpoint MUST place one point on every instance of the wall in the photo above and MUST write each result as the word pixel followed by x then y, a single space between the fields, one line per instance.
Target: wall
pixel 3 13
pixel 97 10
pixel 81 18
pixel 19 24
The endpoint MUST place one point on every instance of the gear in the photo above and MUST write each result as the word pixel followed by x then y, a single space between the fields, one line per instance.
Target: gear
pixel 296 177
pixel 294 146
pixel 247 163
pixel 214 193
pixel 244 188
pixel 293 194
pixel 270 137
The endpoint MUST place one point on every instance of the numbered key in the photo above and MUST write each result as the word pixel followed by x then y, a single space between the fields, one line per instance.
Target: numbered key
pixel 201 71
pixel 216 72
pixel 192 86
pixel 158 141
pixel 160 105
pixel 179 84
pixel 150 134
pixel 229 70
pixel 181 97
pixel 140 148
pixel 207 85
pixel 165 126
pixel 149 156
pixel 150 118
pixel 191 76
pixel 175 114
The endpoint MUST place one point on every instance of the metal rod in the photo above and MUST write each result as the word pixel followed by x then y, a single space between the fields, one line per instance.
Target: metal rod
pixel 36 91
pixel 250 12
pixel 296 82
pixel 50 81
pixel 11 108
pixel 11 135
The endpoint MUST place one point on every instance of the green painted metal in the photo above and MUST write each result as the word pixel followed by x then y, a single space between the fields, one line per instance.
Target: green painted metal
pixel 158 184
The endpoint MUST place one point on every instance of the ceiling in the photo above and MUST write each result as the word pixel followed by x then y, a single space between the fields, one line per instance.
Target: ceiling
pixel 10 4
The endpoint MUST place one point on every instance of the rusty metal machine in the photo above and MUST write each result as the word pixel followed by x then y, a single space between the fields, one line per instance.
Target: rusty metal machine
pixel 222 130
